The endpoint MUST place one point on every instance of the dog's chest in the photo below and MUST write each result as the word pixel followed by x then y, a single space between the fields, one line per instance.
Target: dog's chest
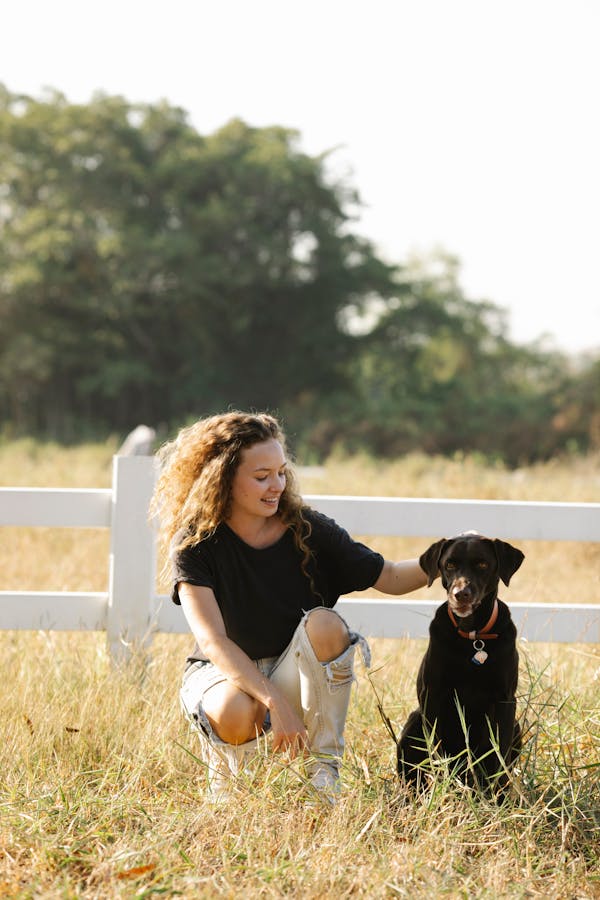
pixel 454 660
pixel 473 662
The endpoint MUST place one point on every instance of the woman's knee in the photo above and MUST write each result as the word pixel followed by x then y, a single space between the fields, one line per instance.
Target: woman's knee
pixel 234 716
pixel 327 633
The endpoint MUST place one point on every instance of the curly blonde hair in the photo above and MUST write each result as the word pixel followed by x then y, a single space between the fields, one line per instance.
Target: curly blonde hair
pixel 193 492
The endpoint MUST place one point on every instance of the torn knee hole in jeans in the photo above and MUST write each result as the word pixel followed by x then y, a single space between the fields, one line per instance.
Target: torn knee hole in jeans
pixel 338 677
pixel 340 671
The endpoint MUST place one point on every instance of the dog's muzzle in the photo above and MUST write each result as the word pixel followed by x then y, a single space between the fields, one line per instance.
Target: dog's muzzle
pixel 463 598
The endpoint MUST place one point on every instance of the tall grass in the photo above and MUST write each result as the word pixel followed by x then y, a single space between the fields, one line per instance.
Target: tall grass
pixel 101 787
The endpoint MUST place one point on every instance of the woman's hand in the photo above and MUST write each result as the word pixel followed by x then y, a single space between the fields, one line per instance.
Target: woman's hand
pixel 206 622
pixel 289 733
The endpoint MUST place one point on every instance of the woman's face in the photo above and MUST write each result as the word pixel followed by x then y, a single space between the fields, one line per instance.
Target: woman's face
pixel 259 480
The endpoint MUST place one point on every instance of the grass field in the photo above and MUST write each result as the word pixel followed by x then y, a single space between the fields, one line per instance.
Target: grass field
pixel 101 791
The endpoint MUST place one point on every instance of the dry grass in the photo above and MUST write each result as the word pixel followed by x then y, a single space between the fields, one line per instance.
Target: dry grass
pixel 101 794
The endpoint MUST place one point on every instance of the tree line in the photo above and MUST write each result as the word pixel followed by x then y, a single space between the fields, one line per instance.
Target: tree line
pixel 149 273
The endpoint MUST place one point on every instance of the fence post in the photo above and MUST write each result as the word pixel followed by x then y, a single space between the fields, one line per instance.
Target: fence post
pixel 132 556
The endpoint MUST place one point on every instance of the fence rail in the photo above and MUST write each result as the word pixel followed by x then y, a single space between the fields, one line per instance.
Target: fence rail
pixel 131 610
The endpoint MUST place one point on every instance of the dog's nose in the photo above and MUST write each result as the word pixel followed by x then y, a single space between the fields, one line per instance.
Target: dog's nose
pixel 463 592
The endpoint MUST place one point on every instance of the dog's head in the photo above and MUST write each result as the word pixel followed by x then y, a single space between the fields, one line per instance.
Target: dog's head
pixel 470 566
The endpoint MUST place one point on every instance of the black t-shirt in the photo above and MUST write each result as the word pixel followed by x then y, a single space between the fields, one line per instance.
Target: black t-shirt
pixel 262 594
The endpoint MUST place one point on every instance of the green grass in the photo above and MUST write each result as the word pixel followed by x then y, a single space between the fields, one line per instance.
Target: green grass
pixel 101 788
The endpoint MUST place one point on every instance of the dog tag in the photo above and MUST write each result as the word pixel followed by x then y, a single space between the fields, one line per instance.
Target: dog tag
pixel 480 655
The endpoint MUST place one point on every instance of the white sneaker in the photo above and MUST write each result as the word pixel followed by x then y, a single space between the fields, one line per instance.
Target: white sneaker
pixel 325 782
pixel 223 765
pixel 219 789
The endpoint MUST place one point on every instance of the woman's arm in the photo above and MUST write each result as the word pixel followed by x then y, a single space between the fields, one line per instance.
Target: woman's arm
pixel 401 577
pixel 206 623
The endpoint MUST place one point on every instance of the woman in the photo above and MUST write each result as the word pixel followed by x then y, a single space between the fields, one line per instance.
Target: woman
pixel 257 573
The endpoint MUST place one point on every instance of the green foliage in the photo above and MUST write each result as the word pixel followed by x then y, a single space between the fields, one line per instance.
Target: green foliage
pixel 149 273
pixel 438 373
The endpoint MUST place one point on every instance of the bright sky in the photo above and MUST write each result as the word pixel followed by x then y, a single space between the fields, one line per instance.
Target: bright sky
pixel 467 124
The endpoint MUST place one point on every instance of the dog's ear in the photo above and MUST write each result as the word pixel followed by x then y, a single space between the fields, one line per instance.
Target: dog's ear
pixel 430 560
pixel 509 559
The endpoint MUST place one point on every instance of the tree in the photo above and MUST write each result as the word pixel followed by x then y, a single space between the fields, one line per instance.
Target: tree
pixel 576 419
pixel 150 273
pixel 438 374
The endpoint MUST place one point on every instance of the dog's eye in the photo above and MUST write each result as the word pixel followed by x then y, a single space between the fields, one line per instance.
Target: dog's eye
pixel 450 565
pixel 482 564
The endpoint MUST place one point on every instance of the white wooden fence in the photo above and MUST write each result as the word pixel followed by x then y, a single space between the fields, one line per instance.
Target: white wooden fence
pixel 131 611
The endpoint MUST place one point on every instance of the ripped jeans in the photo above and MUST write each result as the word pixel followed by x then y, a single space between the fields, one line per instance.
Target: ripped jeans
pixel 318 691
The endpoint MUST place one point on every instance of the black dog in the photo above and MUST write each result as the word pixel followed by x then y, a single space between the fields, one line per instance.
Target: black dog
pixel 468 677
